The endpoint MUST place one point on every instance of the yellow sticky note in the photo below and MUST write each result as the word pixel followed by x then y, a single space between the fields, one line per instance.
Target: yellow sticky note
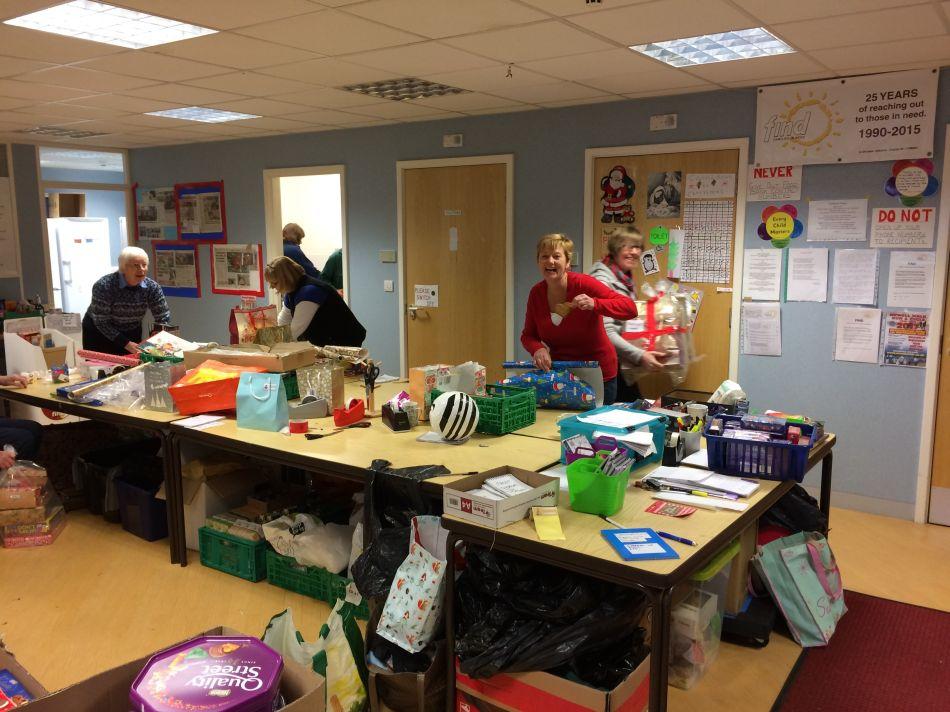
pixel 547 523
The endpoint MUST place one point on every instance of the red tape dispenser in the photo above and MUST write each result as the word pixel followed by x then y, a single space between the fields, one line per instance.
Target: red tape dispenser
pixel 352 413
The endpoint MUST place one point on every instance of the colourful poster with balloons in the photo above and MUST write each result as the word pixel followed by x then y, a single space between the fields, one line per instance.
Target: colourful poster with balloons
pixel 912 181
pixel 780 225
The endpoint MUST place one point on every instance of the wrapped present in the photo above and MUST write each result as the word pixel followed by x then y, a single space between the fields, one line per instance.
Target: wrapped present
pixel 665 325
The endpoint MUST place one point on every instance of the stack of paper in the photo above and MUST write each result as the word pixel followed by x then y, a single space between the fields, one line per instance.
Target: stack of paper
pixel 640 441
pixel 689 480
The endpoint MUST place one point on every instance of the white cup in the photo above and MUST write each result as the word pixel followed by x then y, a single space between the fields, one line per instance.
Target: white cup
pixel 697 410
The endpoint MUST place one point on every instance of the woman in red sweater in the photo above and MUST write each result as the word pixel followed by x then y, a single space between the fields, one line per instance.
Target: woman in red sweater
pixel 564 318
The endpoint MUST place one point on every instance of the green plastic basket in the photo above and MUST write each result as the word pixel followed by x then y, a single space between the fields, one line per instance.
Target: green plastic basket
pixel 592 491
pixel 504 409
pixel 149 358
pixel 232 554
pixel 309 581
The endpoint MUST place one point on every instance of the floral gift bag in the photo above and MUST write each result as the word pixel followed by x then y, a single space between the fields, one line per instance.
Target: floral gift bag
pixel 413 609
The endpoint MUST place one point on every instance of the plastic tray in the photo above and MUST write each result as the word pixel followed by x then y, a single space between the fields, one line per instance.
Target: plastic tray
pixel 504 409
pixel 141 513
pixel 232 554
pixel 592 491
pixel 309 581
pixel 765 460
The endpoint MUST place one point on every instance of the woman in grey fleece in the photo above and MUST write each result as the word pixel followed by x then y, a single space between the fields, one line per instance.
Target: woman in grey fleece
pixel 615 270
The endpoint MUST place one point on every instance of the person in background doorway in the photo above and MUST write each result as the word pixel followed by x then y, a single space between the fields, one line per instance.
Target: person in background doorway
pixel 113 321
pixel 333 270
pixel 314 309
pixel 23 436
pixel 564 318
pixel 293 235
pixel 615 270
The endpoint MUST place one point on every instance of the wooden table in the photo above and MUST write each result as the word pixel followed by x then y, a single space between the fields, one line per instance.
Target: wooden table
pixel 586 552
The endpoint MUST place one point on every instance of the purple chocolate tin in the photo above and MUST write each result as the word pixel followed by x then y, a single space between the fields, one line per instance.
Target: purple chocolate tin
pixel 210 674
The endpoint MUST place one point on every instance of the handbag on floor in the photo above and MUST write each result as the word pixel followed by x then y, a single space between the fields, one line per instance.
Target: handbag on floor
pixel 802 576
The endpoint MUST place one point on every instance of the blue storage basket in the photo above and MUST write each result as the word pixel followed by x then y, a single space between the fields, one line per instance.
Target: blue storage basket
pixel 764 460
pixel 573 426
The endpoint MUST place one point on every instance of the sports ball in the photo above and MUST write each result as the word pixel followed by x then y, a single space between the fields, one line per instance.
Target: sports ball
pixel 454 415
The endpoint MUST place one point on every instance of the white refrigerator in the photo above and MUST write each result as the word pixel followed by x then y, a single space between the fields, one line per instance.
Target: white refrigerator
pixel 79 255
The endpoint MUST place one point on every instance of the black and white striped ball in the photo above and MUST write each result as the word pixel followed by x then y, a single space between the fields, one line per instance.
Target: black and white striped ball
pixel 454 415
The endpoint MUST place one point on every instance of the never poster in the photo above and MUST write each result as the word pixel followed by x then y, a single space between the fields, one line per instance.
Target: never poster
pixel 903 227
pixel 879 117
pixel 774 183
pixel 905 339
pixel 237 269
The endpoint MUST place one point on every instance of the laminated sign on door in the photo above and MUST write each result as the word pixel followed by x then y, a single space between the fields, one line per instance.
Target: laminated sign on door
pixel 427 295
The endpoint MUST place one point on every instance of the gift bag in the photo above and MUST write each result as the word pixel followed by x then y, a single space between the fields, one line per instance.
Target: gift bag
pixel 209 387
pixel 262 402
pixel 802 576
pixel 413 609
pixel 245 323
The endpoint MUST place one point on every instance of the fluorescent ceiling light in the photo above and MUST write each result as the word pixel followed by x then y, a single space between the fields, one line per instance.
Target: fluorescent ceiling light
pixel 720 47
pixel 61 132
pixel 403 89
pixel 205 116
pixel 98 22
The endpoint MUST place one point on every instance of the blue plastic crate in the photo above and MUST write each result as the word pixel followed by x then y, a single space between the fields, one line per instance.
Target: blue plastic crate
pixel 764 460
pixel 574 426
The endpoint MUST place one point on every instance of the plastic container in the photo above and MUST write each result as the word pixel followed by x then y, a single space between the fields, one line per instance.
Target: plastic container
pixel 696 623
pixel 592 491
pixel 572 425
pixel 311 581
pixel 765 460
pixel 503 409
pixel 95 473
pixel 141 513
pixel 210 673
pixel 233 555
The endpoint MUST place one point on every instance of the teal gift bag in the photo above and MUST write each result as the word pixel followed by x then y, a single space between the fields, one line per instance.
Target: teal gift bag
pixel 262 402
pixel 801 574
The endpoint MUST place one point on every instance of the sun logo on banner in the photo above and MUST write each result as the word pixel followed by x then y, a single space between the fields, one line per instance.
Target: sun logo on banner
pixel 809 123
pixel 912 181
pixel 780 225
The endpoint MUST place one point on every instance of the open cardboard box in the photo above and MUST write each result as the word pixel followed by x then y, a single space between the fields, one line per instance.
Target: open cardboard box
pixel 276 359
pixel 109 691
pixel 9 662
pixel 512 692
pixel 497 513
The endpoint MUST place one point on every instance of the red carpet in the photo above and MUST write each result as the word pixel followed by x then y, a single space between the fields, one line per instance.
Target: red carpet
pixel 885 656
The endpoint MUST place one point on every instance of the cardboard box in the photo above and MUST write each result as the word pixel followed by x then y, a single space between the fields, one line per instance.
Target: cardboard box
pixel 9 662
pixel 109 691
pixel 276 359
pixel 496 513
pixel 33 515
pixel 54 355
pixel 542 691
pixel 212 465
pixel 25 496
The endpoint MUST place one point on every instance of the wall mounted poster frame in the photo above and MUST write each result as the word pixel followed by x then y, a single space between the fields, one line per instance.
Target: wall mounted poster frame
pixel 237 269
pixel 201 213
pixel 155 215
pixel 176 268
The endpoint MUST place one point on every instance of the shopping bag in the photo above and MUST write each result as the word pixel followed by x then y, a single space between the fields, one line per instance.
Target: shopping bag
pixel 209 387
pixel 802 576
pixel 245 323
pixel 309 541
pixel 413 609
pixel 262 402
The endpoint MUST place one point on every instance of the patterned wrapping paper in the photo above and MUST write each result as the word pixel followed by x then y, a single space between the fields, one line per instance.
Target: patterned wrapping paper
pixel 556 389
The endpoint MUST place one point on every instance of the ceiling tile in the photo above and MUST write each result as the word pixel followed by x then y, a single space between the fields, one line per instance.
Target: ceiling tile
pixel 86 79
pixel 15 8
pixel 946 9
pixel 130 104
pixel 491 78
pixel 260 107
pixel 503 110
pixel 237 51
pixel 235 128
pixel 668 92
pixel 442 115
pixel 931 49
pixel 523 44
pixel 807 77
pixel 561 91
pixel 330 32
pixel 328 117
pixel 39 119
pixel 73 111
pixel 437 18
pixel 222 14
pixel 760 68
pixel 329 72
pixel 175 133
pixel 149 65
pixel 275 124
pixel 249 83
pixel 573 7
pixel 184 95
pixel 579 102
pixel 22 90
pixel 144 122
pixel 11 66
pixel 47 47
pixel 865 27
pixel 646 81
pixel 104 126
pixel 394 110
pixel 12 122
pixel 581 66
pixel 324 98
pixel 770 12
pixel 471 101
pixel 6 103
pixel 424 57
pixel 369 124
pixel 664 20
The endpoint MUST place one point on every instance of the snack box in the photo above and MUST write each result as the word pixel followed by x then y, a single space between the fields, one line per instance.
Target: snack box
pixel 30 515
pixel 458 500
pixel 16 683
pixel 23 541
pixel 21 495
pixel 53 517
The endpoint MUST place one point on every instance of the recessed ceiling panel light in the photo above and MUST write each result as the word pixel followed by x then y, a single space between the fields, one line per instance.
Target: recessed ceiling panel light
pixel 205 116
pixel 61 132
pixel 98 22
pixel 403 89
pixel 720 47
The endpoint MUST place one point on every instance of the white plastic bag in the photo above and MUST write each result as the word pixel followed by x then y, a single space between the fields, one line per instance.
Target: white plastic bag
pixel 281 635
pixel 310 541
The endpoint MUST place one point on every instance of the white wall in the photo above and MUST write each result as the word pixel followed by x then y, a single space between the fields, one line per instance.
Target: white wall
pixel 313 202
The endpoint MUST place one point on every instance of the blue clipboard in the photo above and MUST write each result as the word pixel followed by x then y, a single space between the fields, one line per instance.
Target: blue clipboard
pixel 638 544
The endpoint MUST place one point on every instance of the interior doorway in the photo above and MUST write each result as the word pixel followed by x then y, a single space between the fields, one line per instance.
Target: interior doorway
pixel 314 198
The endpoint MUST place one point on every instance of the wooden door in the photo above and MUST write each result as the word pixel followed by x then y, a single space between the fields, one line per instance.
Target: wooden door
pixel 455 240
pixel 940 465
pixel 712 327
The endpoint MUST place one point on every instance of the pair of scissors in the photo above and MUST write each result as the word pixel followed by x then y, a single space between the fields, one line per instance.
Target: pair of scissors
pixel 317 436
pixel 369 380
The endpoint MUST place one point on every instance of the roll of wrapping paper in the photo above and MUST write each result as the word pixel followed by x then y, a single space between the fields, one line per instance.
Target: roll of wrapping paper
pixel 109 358
pixel 80 392
pixel 354 354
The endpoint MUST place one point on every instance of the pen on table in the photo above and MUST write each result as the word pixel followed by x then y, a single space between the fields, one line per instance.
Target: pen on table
pixel 614 522
pixel 680 539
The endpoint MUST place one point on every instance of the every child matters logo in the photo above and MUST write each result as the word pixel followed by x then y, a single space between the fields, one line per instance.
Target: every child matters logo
pixel 809 123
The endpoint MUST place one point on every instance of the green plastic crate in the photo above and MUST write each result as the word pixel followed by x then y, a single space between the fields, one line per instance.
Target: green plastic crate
pixel 504 409
pixel 291 387
pixel 309 581
pixel 232 554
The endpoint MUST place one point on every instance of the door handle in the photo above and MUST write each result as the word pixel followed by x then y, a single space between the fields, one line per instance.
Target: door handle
pixel 412 309
pixel 68 264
